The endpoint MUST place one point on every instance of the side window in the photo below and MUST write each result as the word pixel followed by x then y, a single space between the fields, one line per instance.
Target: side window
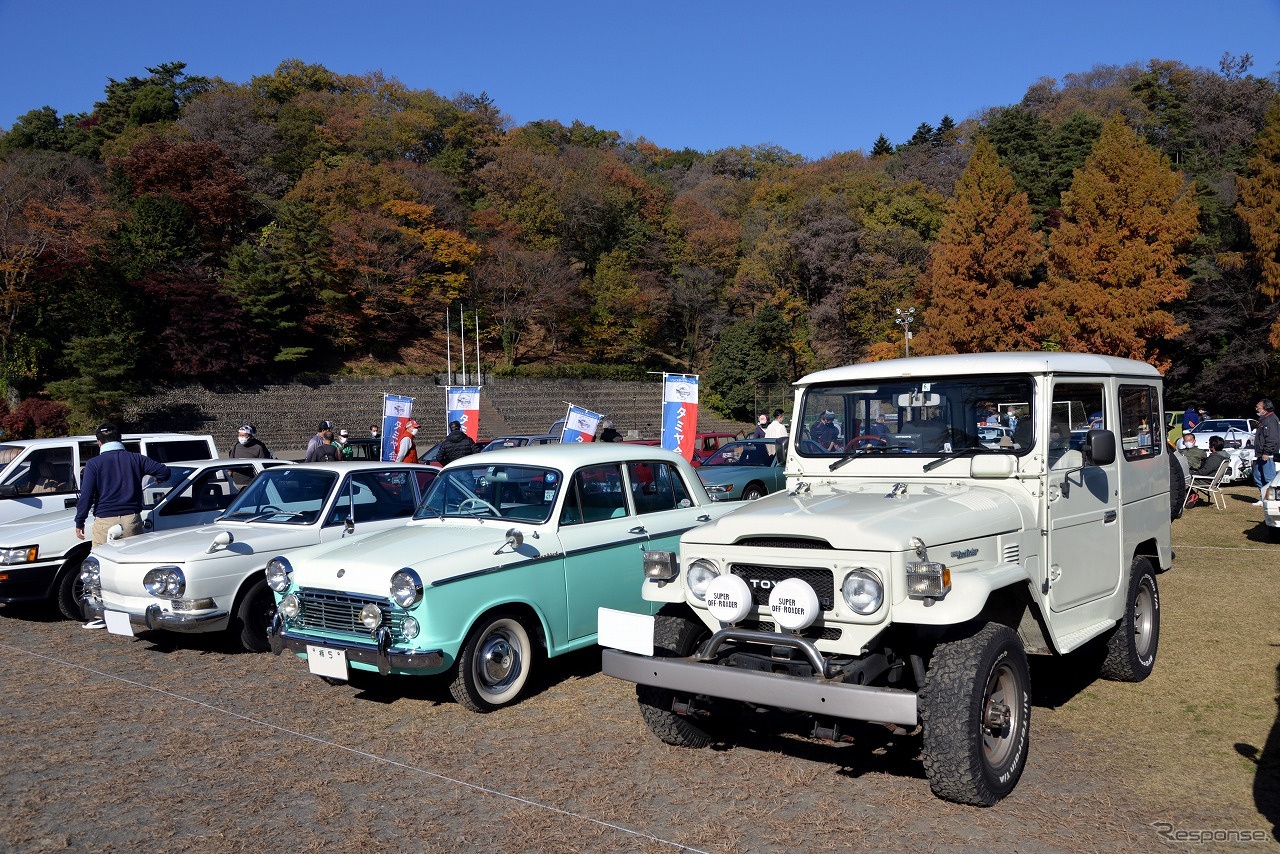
pixel 43 471
pixel 599 494
pixel 372 497
pixel 656 487
pixel 1077 408
pixel 1140 430
pixel 213 490
pixel 180 449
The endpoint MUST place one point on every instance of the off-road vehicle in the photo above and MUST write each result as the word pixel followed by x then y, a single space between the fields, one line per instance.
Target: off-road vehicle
pixel 911 565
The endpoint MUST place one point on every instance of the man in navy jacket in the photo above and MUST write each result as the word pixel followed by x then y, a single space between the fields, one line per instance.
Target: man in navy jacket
pixel 111 487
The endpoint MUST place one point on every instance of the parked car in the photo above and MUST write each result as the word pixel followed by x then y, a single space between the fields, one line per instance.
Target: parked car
pixel 747 469
pixel 210 578
pixel 1271 507
pixel 706 444
pixel 40 555
pixel 1237 438
pixel 510 556
pixel 39 475
pixel 521 441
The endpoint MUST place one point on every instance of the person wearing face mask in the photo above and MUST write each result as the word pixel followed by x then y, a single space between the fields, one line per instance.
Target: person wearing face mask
pixel 406 451
pixel 340 441
pixel 248 446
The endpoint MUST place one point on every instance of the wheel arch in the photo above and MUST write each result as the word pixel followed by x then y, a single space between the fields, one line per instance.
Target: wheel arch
pixel 1150 550
pixel 532 618
pixel 248 581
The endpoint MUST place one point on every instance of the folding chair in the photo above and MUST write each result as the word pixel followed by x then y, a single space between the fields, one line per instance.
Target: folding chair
pixel 1209 487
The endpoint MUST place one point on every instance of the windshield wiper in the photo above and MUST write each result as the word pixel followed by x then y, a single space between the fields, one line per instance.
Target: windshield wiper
pixel 266 513
pixel 957 455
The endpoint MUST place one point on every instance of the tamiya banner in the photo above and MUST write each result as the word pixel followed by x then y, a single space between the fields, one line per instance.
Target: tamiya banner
pixel 463 405
pixel 396 410
pixel 580 425
pixel 679 413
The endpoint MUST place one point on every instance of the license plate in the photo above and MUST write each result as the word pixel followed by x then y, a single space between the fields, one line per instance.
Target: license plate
pixel 118 623
pixel 327 662
pixel 625 631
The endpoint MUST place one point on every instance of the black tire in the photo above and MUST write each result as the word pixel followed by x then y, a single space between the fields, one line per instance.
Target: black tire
pixel 753 491
pixel 1132 647
pixel 253 616
pixel 494 664
pixel 68 590
pixel 673 637
pixel 1177 487
pixel 976 710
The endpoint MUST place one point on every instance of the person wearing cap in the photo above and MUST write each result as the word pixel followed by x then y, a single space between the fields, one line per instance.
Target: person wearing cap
pixel 607 433
pixel 111 487
pixel 406 450
pixel 825 432
pixel 455 446
pixel 248 446
pixel 762 421
pixel 343 444
pixel 313 447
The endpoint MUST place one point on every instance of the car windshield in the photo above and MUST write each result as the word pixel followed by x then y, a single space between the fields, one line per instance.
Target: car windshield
pixel 518 493
pixel 286 495
pixel 742 454
pixel 937 416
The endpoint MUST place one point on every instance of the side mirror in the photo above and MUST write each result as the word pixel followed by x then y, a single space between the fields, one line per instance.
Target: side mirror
pixel 8 491
pixel 115 532
pixel 515 540
pixel 349 526
pixel 1100 448
pixel 220 541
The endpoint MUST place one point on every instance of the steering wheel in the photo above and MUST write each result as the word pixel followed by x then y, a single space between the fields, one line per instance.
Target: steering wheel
pixel 471 505
pixel 269 510
pixel 859 442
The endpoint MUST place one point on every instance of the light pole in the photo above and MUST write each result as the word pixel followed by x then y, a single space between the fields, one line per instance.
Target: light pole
pixel 904 319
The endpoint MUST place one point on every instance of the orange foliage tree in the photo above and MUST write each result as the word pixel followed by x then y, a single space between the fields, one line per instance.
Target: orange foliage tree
pixel 1259 210
pixel 1115 260
pixel 978 288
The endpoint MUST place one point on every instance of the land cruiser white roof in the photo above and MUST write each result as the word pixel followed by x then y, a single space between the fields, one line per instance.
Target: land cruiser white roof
pixel 985 363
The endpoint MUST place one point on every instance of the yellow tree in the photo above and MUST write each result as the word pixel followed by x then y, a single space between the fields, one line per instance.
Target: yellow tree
pixel 1115 260
pixel 978 288
pixel 1259 210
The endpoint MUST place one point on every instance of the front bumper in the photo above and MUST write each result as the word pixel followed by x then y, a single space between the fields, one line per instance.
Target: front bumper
pixel 813 695
pixel 154 618
pixel 27 582
pixel 377 653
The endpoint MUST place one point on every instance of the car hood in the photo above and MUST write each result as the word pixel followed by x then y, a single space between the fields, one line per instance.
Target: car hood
pixel 861 517
pixel 190 544
pixel 31 530
pixel 437 552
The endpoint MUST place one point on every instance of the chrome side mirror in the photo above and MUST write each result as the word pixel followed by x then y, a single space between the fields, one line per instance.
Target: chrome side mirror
pixel 515 540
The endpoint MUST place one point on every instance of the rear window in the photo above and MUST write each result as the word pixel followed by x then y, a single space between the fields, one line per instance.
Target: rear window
pixel 179 449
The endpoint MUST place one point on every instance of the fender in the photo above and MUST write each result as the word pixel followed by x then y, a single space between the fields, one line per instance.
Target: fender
pixel 970 590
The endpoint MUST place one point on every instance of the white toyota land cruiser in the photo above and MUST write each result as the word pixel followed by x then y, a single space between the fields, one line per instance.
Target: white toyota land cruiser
pixel 917 556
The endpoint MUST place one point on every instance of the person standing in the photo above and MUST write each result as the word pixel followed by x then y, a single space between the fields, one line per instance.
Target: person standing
pixel 373 432
pixel 111 489
pixel 328 452
pixel 248 446
pixel 1190 418
pixel 316 441
pixel 776 429
pixel 607 433
pixel 342 443
pixel 455 446
pixel 762 421
pixel 406 450
pixel 1266 442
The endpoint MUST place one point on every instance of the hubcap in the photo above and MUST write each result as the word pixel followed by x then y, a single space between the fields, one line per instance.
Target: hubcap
pixel 1143 620
pixel 499 661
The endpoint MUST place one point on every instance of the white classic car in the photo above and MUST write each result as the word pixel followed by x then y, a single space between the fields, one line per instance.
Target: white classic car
pixel 40 555
pixel 210 578
pixel 509 558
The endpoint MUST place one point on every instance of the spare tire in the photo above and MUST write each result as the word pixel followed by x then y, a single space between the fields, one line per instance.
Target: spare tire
pixel 1177 484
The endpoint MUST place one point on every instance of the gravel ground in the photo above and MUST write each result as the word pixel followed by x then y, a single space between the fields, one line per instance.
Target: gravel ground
pixel 164 742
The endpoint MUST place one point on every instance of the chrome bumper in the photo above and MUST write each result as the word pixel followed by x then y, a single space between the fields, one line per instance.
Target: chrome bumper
pixel 154 618
pixel 813 695
pixel 378 653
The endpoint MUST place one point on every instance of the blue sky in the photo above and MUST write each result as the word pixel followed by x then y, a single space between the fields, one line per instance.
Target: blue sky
pixel 812 78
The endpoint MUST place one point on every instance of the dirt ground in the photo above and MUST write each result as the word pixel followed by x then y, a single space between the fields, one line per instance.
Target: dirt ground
pixel 164 742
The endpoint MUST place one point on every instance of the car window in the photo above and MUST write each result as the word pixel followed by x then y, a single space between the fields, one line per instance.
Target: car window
pixel 213 489
pixel 657 486
pixel 374 496
pixel 595 494
pixel 520 493
pixel 178 449
pixel 1139 409
pixel 43 471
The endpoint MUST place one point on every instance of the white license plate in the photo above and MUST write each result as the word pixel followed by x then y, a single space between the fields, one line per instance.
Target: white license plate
pixel 625 631
pixel 327 662
pixel 118 623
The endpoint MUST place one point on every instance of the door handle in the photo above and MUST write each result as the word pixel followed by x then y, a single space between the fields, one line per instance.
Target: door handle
pixel 638 529
pixel 68 503
pixel 705 517
pixel 1109 516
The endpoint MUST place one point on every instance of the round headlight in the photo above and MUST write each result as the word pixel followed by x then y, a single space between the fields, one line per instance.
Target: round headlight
pixel 371 616
pixel 290 607
pixel 90 571
pixel 701 573
pixel 794 604
pixel 406 588
pixel 410 628
pixel 862 591
pixel 278 570
pixel 166 582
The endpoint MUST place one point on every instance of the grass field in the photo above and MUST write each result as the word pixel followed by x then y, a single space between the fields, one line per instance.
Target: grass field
pixel 1201 734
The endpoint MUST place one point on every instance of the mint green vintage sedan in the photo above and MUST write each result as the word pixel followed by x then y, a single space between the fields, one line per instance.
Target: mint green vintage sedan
pixel 510 556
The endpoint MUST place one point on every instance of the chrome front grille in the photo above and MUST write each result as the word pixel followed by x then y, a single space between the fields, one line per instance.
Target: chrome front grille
pixel 760 579
pixel 328 611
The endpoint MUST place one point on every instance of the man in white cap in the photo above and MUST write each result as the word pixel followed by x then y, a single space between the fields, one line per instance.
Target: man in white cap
pixel 407 450
pixel 248 446
pixel 762 421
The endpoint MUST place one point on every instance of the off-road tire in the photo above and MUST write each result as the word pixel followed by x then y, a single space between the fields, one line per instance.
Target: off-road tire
pixel 1131 648
pixel 494 664
pixel 67 590
pixel 976 711
pixel 1177 487
pixel 673 637
pixel 253 615
pixel 753 491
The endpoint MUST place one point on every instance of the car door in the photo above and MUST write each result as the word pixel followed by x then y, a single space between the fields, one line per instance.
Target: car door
pixel 603 541
pixel 201 500
pixel 41 480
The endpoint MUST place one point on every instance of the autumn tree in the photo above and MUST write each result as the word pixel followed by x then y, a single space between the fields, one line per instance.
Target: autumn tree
pixel 1115 261
pixel 980 279
pixel 1259 210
